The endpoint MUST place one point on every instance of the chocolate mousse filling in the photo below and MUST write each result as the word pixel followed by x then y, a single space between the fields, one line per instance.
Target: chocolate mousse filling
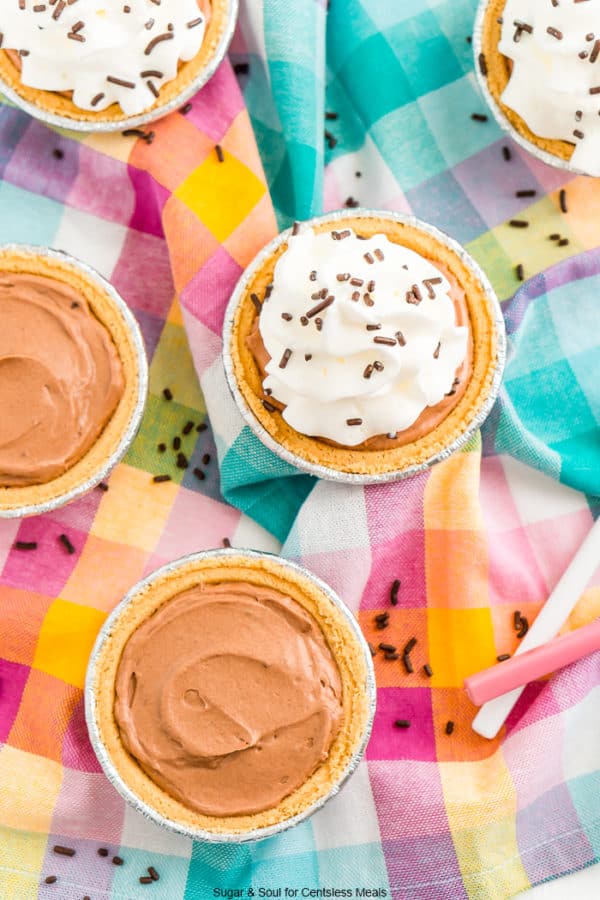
pixel 429 419
pixel 61 378
pixel 228 697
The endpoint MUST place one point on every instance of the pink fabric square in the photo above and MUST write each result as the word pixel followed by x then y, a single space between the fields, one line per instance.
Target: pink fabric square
pixel 416 742
pixel 102 187
pixel 77 752
pixel 515 576
pixel 535 703
pixel 346 571
pixel 413 790
pixel 193 523
pixel 13 678
pixel 531 781
pixel 555 542
pixel 51 564
pixel 215 107
pixel 143 274
pixel 87 808
pixel 207 294
pixel 150 198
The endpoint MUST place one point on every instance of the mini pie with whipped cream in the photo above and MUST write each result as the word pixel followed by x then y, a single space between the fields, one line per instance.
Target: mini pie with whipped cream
pixel 365 345
pixel 69 378
pixel 105 60
pixel 231 693
pixel 541 62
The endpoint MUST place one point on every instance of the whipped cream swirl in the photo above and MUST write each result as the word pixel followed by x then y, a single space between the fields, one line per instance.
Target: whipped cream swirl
pixel 362 336
pixel 555 82
pixel 104 51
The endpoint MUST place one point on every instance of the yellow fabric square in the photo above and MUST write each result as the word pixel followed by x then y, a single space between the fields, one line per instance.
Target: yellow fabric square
pixel 461 641
pixel 66 640
pixel 24 775
pixel 452 494
pixel 221 194
pixel 135 509
pixel 28 850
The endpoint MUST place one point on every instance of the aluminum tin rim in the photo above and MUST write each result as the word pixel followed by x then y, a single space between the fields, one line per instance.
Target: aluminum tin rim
pixel 34 509
pixel 126 122
pixel 505 124
pixel 326 472
pixel 104 757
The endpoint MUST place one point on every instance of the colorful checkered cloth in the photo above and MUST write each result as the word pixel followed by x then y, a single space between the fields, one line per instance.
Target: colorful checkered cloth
pixel 427 815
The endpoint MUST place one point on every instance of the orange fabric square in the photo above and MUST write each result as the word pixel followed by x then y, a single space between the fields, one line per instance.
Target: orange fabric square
pixel 461 641
pixel 21 617
pixel 404 625
pixel 256 230
pixel 505 635
pixel 66 640
pixel 194 246
pixel 453 705
pixel 456 567
pixel 452 494
pixel 43 734
pixel 236 142
pixel 104 573
pixel 177 149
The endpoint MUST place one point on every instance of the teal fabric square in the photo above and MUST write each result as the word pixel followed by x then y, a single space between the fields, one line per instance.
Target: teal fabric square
pixel 447 112
pixel 406 143
pixel 38 219
pixel 262 485
pixel 586 367
pixel 432 62
pixel 375 80
pixel 223 866
pixel 579 455
pixel 536 344
pixel 574 309
pixel 345 33
pixel 551 403
pixel 585 790
pixel 454 18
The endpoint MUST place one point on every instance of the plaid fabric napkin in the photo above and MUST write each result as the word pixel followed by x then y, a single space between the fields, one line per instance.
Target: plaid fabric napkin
pixel 427 815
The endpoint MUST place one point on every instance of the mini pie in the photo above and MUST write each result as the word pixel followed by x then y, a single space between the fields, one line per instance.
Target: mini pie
pixel 151 601
pixel 82 471
pixel 497 68
pixel 412 448
pixel 217 14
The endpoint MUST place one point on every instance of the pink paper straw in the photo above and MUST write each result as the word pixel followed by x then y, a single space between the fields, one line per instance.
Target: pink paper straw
pixel 520 670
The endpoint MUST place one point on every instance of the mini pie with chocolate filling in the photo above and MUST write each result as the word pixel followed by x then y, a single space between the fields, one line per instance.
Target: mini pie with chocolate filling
pixel 69 378
pixel 230 693
pixel 364 344
pixel 538 60
pixel 104 61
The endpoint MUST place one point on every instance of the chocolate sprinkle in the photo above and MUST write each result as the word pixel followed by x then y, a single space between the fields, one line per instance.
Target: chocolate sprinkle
pixel 176 443
pixel 354 421
pixel 145 879
pixel 483 64
pixel 118 860
pixel 519 271
pixel 428 670
pixel 182 461
pixel 562 199
pixel 167 394
pixel 503 657
pixel 523 628
pixel 519 223
pixel 506 153
pixel 268 406
pixel 161 448
pixel 158 479
pixel 153 873
pixel 394 592
pixel 102 487
pixel 51 879
pixel 402 723
pixel 26 545
pixel 199 474
pixel 70 549
pixel 60 850
pixel 187 427
pixel 219 152
pixel 479 117
pixel 102 851
pixel 449 726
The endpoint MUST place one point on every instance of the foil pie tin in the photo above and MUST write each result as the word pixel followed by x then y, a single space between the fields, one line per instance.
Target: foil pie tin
pixel 133 424
pixel 503 121
pixel 105 759
pixel 330 474
pixel 97 125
